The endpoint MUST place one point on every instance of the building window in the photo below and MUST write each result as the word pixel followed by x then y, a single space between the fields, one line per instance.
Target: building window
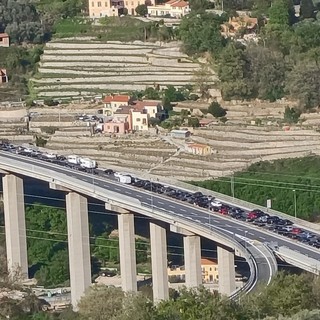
pixel 144 121
pixel 138 3
pixel 138 119
pixel 99 3
pixel 141 127
pixel 106 4
pixel 132 3
pixel 126 3
pixel 92 4
pixel 210 269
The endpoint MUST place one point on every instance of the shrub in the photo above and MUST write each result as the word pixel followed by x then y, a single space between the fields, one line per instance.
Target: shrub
pixel 291 115
pixel 216 110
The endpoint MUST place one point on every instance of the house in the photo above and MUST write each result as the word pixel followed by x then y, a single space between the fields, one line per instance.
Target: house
pixel 237 24
pixel 115 126
pixel 173 8
pixel 199 149
pixel 114 102
pixel 109 8
pixel 3 76
pixel 139 120
pixel 153 108
pixel 209 270
pixel 180 134
pixel 4 40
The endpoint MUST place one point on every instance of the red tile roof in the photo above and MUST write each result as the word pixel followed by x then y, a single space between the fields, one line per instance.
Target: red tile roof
pixel 117 98
pixel 180 4
pixel 209 262
pixel 4 35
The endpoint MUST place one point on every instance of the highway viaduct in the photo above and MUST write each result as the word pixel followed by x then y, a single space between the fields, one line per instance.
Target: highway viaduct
pixel 185 219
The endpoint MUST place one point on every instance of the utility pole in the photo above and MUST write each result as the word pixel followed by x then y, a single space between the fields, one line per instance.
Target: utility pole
pixel 232 185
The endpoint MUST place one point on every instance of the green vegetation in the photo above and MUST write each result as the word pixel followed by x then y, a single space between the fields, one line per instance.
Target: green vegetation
pixel 288 297
pixel 276 181
pixel 20 63
pixel 216 110
pixel 284 63
pixel 47 245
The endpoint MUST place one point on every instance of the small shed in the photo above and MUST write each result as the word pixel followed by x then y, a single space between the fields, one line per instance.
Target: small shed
pixel 4 40
pixel 199 149
pixel 180 134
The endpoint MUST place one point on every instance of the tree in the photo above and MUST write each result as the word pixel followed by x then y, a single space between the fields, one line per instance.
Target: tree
pixel 200 5
pixel 202 78
pixel 291 115
pixel 152 94
pixel 193 122
pixel 233 71
pixel 197 304
pixel 141 10
pixel 216 110
pixel 307 9
pixel 303 84
pixel 267 74
pixel 201 33
pixel 282 13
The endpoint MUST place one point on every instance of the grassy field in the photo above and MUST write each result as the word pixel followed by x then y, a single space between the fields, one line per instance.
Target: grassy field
pixel 111 28
pixel 284 182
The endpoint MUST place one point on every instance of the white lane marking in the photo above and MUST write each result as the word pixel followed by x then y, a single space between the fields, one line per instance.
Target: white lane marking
pixel 171 206
pixel 138 196
pixel 183 210
pixel 116 189
pixel 239 229
pixel 251 233
pixel 262 238
pixel 106 186
pixel 160 202
pixel 127 192
pixel 228 225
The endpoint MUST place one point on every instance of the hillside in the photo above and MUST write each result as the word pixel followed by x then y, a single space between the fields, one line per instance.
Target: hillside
pixel 82 67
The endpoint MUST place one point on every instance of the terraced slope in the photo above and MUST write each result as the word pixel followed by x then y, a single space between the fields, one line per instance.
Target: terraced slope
pixel 84 68
pixel 234 149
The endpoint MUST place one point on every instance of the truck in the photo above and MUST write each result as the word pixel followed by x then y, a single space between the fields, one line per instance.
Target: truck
pixel 125 179
pixel 88 163
pixel 73 159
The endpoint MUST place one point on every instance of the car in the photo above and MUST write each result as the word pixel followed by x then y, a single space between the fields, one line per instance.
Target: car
pixel 224 209
pixel 215 204
pixel 108 171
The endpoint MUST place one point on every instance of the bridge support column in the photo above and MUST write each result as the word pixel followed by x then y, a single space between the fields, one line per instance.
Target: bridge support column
pixel 192 261
pixel 15 226
pixel 226 268
pixel 159 263
pixel 78 244
pixel 128 264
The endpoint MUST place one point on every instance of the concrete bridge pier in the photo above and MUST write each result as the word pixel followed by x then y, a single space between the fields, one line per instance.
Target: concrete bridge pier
pixel 159 262
pixel 192 261
pixel 78 244
pixel 128 265
pixel 192 256
pixel 226 268
pixel 15 226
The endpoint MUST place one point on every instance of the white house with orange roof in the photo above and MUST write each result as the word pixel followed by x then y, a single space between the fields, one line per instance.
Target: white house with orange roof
pixel 113 102
pixel 174 8
pixel 209 270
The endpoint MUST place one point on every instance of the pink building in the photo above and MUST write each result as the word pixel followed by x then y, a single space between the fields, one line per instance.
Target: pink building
pixel 4 40
pixel 116 127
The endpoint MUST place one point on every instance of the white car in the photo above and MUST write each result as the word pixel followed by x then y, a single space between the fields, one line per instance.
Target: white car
pixel 215 204
pixel 117 175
